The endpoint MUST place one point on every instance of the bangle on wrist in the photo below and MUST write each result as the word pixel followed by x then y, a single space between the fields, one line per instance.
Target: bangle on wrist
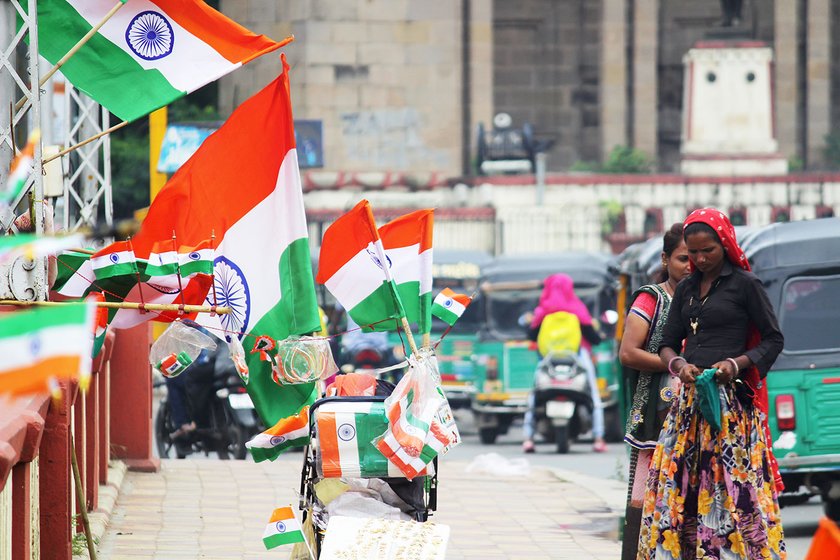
pixel 734 363
pixel 671 365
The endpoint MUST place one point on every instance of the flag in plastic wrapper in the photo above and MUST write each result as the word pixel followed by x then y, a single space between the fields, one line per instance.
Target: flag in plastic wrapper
pixel 415 436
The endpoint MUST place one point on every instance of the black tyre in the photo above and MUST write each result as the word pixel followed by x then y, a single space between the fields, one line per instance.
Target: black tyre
pixel 832 509
pixel 163 430
pixel 561 438
pixel 488 436
pixel 228 435
pixel 614 429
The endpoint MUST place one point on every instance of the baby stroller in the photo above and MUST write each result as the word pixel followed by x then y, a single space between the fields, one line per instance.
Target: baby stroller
pixel 341 431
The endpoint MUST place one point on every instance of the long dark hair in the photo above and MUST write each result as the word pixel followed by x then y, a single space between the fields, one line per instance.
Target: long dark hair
pixel 670 241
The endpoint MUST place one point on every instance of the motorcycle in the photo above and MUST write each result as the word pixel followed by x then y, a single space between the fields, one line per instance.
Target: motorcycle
pixel 562 400
pixel 222 411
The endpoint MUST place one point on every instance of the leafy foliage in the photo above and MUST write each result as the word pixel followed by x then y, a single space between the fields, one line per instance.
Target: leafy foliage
pixel 622 159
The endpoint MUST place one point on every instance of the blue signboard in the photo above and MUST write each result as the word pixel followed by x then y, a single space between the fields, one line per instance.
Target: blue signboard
pixel 182 140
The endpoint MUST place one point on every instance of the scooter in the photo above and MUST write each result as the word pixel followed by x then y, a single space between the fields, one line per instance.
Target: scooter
pixel 562 400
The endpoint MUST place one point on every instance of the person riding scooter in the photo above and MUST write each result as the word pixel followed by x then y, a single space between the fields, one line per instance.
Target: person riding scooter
pixel 558 297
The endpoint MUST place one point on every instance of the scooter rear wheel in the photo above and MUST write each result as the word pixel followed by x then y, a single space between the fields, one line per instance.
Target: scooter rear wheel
pixel 561 438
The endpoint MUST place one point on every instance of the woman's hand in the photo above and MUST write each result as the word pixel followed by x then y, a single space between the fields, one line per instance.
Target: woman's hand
pixel 726 371
pixel 689 373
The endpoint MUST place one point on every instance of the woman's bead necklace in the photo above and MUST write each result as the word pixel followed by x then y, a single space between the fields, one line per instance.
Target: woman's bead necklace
pixel 694 322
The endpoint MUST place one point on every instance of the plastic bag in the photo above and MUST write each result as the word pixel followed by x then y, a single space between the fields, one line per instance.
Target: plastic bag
pixel 415 435
pixel 237 356
pixel 177 348
pixel 302 360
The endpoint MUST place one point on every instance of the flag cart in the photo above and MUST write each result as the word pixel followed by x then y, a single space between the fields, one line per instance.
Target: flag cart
pixel 341 430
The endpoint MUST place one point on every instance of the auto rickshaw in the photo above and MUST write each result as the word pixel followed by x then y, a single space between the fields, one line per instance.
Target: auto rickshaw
pixel 799 265
pixel 458 270
pixel 510 287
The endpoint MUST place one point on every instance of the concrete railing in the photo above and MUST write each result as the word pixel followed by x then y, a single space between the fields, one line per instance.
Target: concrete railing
pixel 38 501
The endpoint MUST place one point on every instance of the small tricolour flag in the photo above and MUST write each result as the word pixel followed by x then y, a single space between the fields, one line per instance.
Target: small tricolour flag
pixel 292 431
pixel 449 306
pixel 33 246
pixel 282 528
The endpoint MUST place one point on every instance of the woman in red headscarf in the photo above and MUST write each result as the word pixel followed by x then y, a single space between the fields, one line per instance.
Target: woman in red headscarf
pixel 712 493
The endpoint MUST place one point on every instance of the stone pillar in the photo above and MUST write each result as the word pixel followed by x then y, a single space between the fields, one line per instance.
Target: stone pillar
pixel 613 75
pixel 645 90
pixel 55 480
pixel 786 83
pixel 818 104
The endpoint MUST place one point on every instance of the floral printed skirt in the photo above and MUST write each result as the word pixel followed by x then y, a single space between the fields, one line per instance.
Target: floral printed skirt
pixel 710 494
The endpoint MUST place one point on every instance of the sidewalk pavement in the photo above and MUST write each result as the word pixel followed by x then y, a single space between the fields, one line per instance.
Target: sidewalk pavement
pixel 213 509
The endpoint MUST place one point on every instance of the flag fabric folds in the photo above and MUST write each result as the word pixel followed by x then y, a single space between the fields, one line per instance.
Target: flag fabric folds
pixel 148 54
pixel 352 268
pixel 282 528
pixel 22 166
pixel 407 241
pixel 449 306
pixel 287 433
pixel 243 185
pixel 43 345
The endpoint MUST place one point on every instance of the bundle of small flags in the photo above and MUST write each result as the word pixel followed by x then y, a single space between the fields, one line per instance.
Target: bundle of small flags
pixel 449 306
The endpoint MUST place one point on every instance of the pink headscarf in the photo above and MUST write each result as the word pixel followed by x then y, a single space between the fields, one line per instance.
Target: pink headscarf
pixel 559 295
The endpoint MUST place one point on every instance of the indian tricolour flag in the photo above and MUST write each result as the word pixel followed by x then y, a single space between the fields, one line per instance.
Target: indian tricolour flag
pixel 149 53
pixel 44 344
pixel 21 169
pixel 243 184
pixel 449 306
pixel 282 528
pixel 287 433
pixel 355 269
pixel 407 242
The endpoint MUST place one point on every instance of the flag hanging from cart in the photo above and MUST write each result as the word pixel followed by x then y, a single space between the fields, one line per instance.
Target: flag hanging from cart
pixel 263 269
pixel 285 434
pixel 352 267
pixel 282 528
pixel 449 306
pixel 149 53
pixel 42 345
pixel 407 242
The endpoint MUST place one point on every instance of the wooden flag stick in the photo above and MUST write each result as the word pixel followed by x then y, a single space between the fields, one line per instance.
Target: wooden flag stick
pixel 128 305
pixel 93 31
pixel 427 339
pixel 81 499
pixel 83 142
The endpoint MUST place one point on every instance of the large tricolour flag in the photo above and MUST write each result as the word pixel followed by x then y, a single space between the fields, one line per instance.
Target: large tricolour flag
pixel 407 241
pixel 149 53
pixel 243 185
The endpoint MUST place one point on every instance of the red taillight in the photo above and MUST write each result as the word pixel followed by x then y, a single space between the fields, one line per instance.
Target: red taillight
pixel 785 413
pixel 448 377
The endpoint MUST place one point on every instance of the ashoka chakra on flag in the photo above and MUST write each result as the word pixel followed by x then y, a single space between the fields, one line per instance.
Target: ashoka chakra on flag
pixel 150 35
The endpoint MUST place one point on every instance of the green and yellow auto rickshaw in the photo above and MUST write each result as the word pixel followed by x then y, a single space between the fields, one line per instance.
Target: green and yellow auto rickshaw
pixel 509 288
pixel 799 264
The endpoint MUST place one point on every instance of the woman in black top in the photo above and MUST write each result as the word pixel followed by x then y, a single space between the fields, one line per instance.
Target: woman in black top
pixel 713 493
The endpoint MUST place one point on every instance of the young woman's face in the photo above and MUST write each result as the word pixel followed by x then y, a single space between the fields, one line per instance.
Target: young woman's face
pixel 704 250
pixel 677 263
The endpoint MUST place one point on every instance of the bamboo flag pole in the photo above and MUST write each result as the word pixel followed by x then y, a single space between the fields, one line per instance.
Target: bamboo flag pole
pixel 81 499
pixel 81 42
pixel 128 305
pixel 84 142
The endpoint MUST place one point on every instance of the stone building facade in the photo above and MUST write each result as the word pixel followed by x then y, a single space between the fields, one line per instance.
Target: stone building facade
pixel 401 85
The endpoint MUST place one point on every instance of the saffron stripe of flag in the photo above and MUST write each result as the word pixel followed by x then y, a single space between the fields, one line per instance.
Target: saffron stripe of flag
pixel 42 344
pixel 282 528
pixel 22 167
pixel 286 433
pixel 449 306
pixel 148 54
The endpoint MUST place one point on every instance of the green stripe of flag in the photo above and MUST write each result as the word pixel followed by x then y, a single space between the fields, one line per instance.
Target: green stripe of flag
pixel 269 454
pixel 283 538
pixel 19 324
pixel 444 314
pixel 100 69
